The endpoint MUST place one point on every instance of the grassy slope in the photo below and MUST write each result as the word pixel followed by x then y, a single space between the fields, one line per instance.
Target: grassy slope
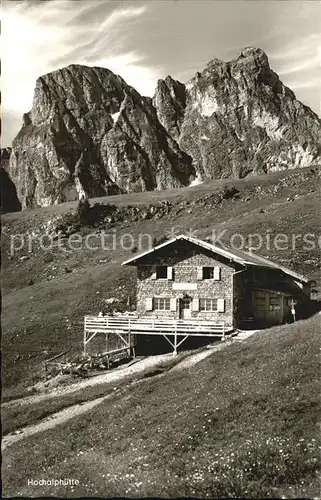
pixel 243 422
pixel 38 321
pixel 22 413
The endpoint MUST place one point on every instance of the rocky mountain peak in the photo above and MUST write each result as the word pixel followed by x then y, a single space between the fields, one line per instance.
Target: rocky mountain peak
pixel 89 133
pixel 170 102
pixel 240 119
pixel 80 89
pixel 255 53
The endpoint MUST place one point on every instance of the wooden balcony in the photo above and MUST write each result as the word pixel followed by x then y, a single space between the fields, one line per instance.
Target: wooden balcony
pixel 132 325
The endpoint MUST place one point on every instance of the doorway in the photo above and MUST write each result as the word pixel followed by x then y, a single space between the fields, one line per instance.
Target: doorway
pixel 185 308
pixel 268 306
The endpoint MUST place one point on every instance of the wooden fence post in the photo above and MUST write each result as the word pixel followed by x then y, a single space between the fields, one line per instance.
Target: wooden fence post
pixel 85 336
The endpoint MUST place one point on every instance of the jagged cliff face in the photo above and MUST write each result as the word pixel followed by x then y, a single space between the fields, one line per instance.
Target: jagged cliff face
pixel 170 103
pixel 89 133
pixel 239 119
pixel 9 198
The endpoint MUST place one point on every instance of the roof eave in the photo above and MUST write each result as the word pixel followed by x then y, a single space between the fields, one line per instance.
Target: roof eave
pixel 220 251
pixel 139 256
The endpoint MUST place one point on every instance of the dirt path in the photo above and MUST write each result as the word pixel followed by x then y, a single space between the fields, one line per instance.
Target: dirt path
pixel 80 408
pixel 112 376
pixel 50 422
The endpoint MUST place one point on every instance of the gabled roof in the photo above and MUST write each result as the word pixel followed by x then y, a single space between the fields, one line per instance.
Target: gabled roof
pixel 237 256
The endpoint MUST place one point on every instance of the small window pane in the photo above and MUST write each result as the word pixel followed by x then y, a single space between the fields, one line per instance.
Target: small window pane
pixel 208 273
pixel 161 304
pixel 161 272
pixel 208 304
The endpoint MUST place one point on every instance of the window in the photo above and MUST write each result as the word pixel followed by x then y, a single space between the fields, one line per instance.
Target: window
pixel 161 304
pixel 208 273
pixel 161 272
pixel 208 304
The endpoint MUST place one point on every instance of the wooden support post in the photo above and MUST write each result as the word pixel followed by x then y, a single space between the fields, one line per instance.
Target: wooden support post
pixel 129 342
pixel 223 331
pixel 175 343
pixel 85 338
pixel 171 343
pixel 130 336
pixel 181 341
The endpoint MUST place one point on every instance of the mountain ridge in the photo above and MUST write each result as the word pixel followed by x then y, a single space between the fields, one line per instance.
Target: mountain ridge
pixel 240 119
pixel 91 134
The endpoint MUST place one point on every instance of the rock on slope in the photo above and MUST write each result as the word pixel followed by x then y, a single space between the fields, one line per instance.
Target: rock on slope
pixel 89 133
pixel 237 118
pixel 9 199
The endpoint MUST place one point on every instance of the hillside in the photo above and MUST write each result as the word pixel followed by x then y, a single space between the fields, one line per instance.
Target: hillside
pixel 244 422
pixel 89 133
pixel 38 321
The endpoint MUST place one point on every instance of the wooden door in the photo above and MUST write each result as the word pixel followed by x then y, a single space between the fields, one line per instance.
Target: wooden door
pixel 185 308
pixel 259 305
pixel 268 307
pixel 275 308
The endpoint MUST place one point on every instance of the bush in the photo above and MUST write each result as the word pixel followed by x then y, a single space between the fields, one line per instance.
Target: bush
pixel 229 192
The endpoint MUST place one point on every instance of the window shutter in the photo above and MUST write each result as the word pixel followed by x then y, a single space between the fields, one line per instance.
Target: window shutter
pixel 153 276
pixel 149 304
pixel 169 273
pixel 173 304
pixel 221 305
pixel 195 305
pixel 200 273
pixel 217 273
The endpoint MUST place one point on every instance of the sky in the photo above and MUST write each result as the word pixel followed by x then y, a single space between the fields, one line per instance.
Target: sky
pixel 147 40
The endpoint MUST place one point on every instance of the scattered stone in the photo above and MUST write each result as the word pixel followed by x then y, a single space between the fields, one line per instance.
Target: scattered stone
pixel 111 300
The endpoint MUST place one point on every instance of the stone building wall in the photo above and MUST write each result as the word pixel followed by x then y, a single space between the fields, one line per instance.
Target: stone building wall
pixel 235 285
pixel 185 262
